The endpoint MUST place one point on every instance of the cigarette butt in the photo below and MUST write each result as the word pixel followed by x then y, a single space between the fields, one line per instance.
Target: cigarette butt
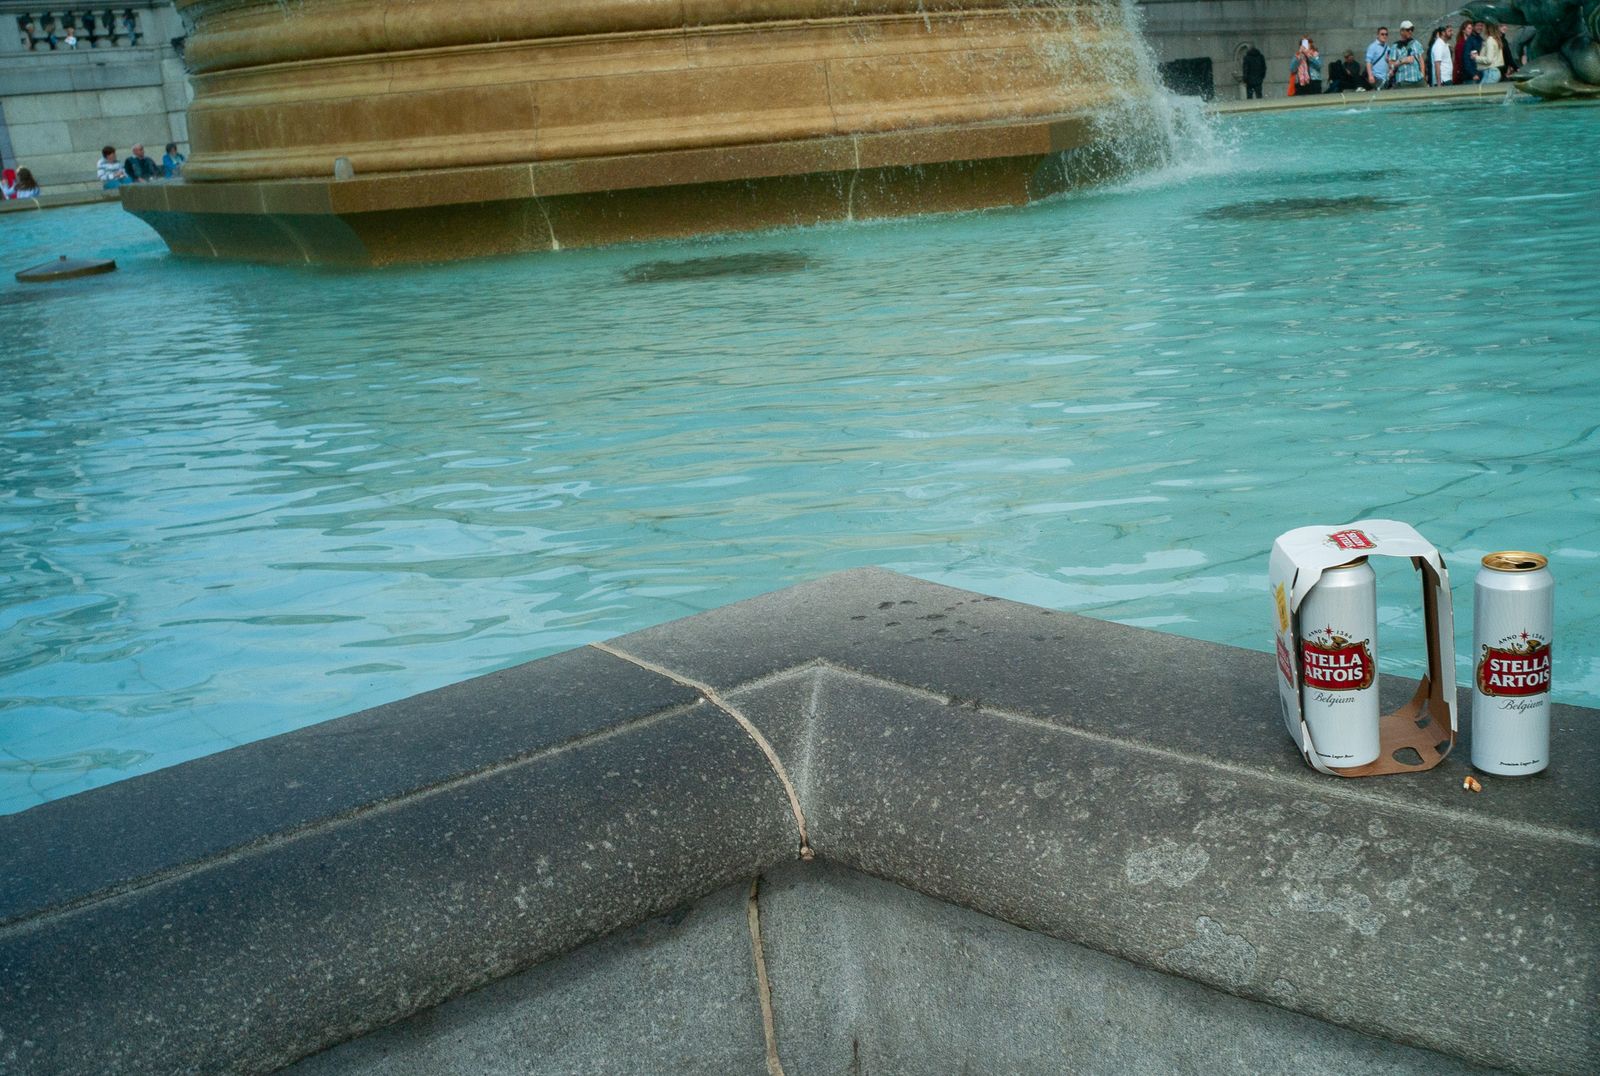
pixel 1470 783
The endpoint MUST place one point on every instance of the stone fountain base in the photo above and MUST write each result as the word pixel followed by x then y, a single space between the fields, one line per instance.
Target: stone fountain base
pixel 508 126
pixel 389 218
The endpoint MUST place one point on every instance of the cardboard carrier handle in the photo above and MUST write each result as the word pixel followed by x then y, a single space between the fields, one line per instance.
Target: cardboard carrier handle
pixel 1423 724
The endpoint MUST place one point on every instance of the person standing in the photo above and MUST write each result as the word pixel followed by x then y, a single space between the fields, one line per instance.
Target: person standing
pixel 1443 58
pixel 1305 70
pixel 1487 56
pixel 1378 59
pixel 1509 59
pixel 1459 53
pixel 1469 53
pixel 1408 58
pixel 1255 72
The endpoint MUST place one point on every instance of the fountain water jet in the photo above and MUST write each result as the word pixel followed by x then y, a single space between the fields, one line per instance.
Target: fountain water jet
pixel 506 126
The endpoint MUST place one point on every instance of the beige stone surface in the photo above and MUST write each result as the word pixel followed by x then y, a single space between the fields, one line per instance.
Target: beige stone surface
pixel 134 101
pixel 51 108
pixel 509 126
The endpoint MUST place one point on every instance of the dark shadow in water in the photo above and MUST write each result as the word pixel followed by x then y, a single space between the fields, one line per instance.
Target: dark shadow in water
pixel 760 263
pixel 1291 180
pixel 1301 208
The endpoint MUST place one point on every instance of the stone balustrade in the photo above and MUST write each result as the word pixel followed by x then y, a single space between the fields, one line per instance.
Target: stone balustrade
pixel 67 30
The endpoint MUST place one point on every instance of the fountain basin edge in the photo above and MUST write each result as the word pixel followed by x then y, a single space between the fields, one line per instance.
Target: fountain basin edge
pixel 1123 795
pixel 515 207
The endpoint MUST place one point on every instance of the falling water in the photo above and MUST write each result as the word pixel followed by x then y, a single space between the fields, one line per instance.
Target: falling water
pixel 1142 126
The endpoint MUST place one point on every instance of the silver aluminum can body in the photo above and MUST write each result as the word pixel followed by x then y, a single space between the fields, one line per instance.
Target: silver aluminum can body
pixel 1513 616
pixel 1339 665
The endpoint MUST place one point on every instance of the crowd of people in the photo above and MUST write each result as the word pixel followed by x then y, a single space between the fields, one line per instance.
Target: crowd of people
pixel 1476 53
pixel 137 168
pixel 111 172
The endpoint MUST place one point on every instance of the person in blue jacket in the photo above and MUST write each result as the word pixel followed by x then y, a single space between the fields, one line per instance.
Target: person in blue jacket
pixel 1305 70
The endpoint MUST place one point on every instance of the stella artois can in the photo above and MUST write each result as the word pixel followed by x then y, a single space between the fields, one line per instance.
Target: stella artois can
pixel 1339 663
pixel 1513 615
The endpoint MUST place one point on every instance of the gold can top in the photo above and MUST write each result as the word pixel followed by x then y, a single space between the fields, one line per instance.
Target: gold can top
pixel 1515 560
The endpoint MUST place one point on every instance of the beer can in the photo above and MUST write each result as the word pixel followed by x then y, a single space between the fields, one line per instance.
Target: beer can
pixel 1513 615
pixel 1339 664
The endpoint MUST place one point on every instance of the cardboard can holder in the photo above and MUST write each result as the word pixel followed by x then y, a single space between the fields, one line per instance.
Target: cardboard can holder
pixel 1427 724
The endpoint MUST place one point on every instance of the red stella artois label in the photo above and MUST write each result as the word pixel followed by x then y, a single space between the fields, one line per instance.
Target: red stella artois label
pixel 1351 539
pixel 1516 666
pixel 1335 663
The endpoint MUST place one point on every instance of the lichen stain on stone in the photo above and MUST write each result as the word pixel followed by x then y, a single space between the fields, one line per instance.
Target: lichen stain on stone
pixel 1250 822
pixel 1214 955
pixel 1167 862
pixel 1345 903
pixel 1312 807
pixel 1161 788
pixel 1453 873
pixel 1323 859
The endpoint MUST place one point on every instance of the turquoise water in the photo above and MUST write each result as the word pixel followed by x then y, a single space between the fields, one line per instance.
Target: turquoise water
pixel 239 500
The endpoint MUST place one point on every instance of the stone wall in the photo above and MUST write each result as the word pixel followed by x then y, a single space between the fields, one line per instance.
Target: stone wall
pixel 119 80
pixel 1223 29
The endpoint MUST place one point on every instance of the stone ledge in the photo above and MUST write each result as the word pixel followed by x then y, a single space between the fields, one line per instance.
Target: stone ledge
pixel 384 218
pixel 1129 791
pixel 866 976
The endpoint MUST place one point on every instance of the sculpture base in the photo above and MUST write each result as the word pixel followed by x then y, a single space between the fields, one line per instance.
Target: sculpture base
pixel 503 209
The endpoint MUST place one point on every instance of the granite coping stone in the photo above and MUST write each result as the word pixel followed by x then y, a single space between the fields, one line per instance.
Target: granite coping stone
pixel 247 962
pixel 1113 787
pixel 1415 925
pixel 174 817
pixel 1196 699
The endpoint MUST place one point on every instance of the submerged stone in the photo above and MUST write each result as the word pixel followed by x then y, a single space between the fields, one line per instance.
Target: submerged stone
pixel 1301 208
pixel 65 268
pixel 719 265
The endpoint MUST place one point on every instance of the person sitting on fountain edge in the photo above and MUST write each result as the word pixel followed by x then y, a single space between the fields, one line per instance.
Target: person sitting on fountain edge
pixel 140 169
pixel 1345 74
pixel 1408 58
pixel 108 171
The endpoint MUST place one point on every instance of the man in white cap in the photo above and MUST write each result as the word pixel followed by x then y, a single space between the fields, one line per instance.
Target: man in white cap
pixel 1408 59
